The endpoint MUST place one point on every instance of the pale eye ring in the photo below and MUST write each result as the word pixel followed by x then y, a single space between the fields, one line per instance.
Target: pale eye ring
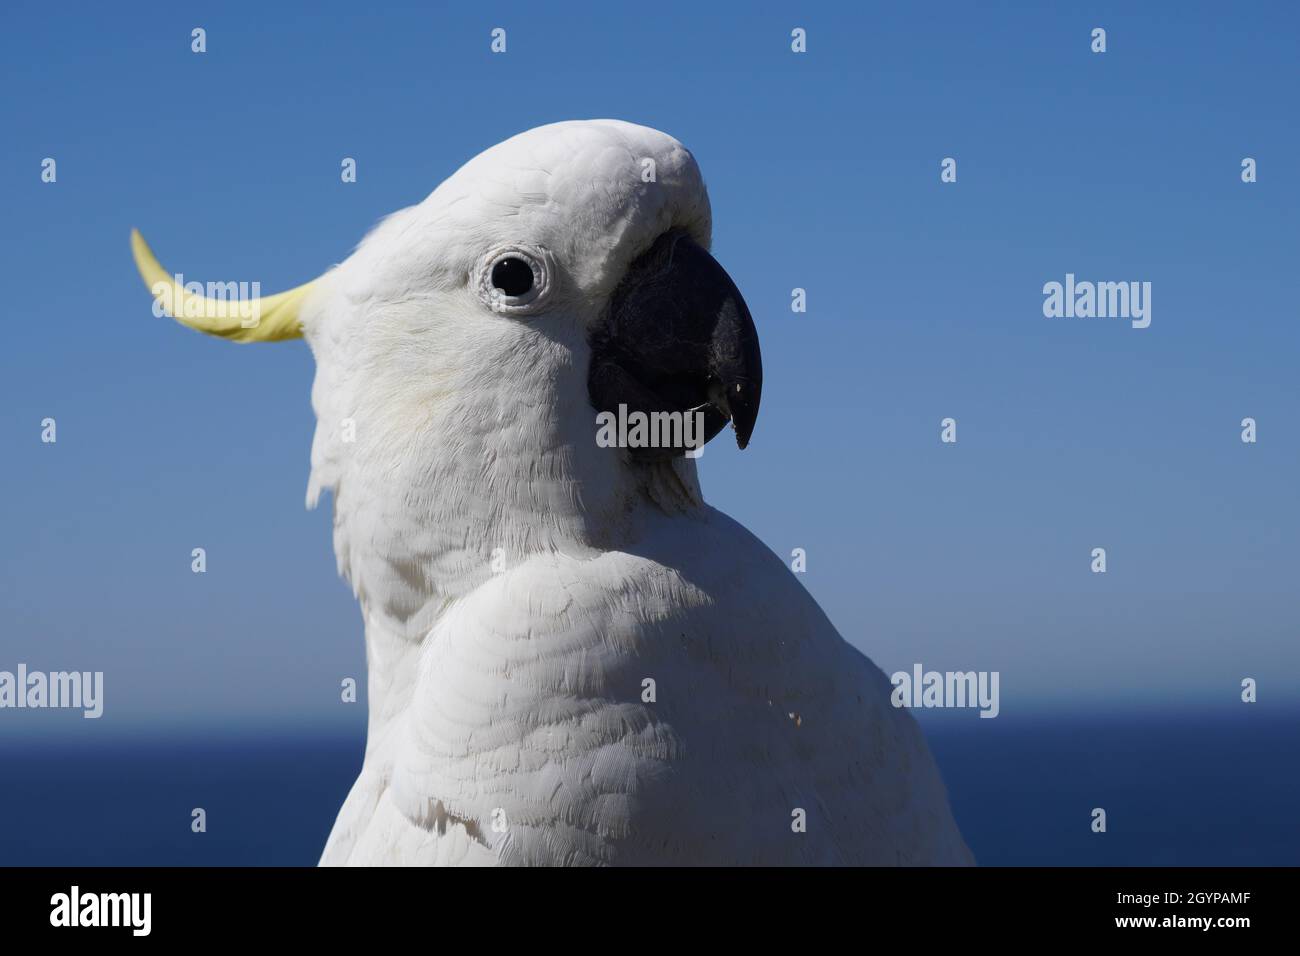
pixel 515 279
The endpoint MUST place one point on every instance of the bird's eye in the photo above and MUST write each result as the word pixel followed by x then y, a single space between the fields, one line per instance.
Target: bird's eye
pixel 512 276
pixel 515 279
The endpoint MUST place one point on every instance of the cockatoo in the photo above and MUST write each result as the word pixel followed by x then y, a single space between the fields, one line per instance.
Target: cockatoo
pixel 572 658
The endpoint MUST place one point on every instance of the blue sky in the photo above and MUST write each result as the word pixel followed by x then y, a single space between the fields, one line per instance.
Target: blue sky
pixel 924 301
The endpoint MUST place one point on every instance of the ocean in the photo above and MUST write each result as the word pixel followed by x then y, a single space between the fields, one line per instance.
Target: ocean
pixel 1179 789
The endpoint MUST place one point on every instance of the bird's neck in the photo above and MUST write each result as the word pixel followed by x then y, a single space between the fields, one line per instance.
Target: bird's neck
pixel 428 513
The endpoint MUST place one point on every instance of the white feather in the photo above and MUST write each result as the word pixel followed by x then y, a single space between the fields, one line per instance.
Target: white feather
pixel 519 583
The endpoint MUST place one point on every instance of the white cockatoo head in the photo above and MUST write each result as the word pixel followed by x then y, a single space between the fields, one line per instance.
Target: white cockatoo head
pixel 464 350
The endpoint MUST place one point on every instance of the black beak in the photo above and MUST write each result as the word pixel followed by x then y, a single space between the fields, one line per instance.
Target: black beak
pixel 678 337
